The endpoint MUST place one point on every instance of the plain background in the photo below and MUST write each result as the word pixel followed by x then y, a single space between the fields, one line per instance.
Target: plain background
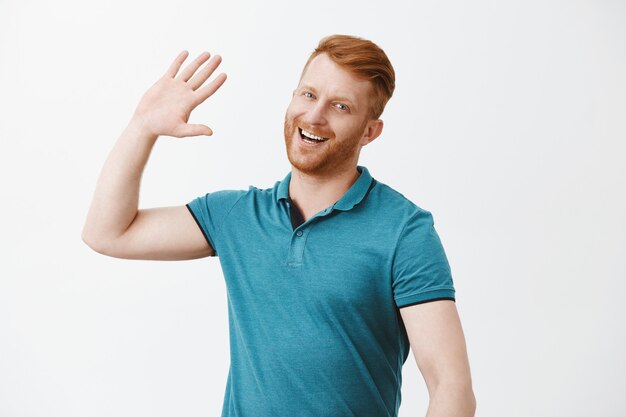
pixel 508 124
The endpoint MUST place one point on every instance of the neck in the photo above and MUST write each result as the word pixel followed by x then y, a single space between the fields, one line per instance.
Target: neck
pixel 312 193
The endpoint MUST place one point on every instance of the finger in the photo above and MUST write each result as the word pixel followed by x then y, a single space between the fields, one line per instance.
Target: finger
pixel 175 66
pixel 197 80
pixel 193 67
pixel 193 130
pixel 208 90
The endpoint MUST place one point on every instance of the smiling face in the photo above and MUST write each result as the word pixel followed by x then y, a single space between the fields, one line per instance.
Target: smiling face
pixel 332 105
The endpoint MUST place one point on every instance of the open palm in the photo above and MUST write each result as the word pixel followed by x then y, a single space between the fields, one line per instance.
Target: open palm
pixel 165 108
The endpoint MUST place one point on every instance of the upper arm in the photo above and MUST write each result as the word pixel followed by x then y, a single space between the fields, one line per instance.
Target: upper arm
pixel 420 269
pixel 438 344
pixel 163 233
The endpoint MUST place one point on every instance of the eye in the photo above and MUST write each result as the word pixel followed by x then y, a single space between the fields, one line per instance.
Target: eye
pixel 341 106
pixel 308 94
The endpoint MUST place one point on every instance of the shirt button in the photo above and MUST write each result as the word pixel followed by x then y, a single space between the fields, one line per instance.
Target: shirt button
pixel 299 233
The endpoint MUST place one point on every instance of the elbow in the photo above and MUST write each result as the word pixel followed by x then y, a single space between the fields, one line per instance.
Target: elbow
pixel 467 401
pixel 95 244
pixel 458 396
pixel 87 240
pixel 471 404
pixel 104 245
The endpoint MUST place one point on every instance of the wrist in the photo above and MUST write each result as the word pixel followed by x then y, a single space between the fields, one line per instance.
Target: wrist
pixel 138 128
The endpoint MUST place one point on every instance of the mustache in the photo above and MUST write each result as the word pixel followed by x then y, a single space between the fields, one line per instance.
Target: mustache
pixel 298 123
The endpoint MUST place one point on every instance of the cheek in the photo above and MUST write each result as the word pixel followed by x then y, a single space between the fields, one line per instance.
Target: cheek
pixel 346 134
pixel 343 128
pixel 296 108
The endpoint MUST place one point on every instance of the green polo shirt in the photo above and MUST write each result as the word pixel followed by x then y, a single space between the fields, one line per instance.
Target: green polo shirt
pixel 313 307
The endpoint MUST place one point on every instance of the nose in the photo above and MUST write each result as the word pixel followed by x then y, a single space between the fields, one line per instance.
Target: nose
pixel 315 114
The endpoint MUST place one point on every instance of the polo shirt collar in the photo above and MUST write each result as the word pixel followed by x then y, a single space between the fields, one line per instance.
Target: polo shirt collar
pixel 351 198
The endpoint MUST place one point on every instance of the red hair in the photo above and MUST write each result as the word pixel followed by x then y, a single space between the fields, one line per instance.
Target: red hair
pixel 365 60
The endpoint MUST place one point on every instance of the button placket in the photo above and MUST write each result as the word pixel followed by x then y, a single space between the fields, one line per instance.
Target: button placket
pixel 299 237
pixel 296 246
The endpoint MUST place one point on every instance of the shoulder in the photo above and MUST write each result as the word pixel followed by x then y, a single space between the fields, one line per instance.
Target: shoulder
pixel 269 193
pixel 251 192
pixel 253 198
pixel 396 204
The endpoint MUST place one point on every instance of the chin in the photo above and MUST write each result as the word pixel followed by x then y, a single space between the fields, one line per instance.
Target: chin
pixel 305 164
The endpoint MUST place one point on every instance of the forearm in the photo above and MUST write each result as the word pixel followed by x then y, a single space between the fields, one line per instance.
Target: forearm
pixel 116 197
pixel 452 401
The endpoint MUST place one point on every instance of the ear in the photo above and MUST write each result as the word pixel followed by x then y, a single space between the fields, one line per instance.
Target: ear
pixel 373 129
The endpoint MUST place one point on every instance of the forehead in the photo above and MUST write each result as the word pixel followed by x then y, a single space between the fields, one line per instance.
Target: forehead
pixel 329 78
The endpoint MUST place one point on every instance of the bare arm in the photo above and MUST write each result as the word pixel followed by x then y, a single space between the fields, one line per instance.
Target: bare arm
pixel 114 225
pixel 438 344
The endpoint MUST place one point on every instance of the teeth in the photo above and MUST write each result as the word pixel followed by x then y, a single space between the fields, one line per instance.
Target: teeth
pixel 311 135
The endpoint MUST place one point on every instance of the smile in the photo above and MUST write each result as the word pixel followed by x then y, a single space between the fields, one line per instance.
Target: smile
pixel 309 137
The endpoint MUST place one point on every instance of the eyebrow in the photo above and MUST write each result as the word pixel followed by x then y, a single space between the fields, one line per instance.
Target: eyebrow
pixel 340 98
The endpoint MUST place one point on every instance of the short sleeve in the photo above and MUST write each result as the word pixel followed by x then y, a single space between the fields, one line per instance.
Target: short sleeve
pixel 420 269
pixel 210 211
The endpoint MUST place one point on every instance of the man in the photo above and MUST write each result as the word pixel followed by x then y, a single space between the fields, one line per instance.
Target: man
pixel 331 275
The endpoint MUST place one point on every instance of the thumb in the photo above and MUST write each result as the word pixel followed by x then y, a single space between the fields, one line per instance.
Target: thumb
pixel 194 130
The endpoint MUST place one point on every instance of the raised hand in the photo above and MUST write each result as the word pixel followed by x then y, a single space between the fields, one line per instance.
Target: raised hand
pixel 165 108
